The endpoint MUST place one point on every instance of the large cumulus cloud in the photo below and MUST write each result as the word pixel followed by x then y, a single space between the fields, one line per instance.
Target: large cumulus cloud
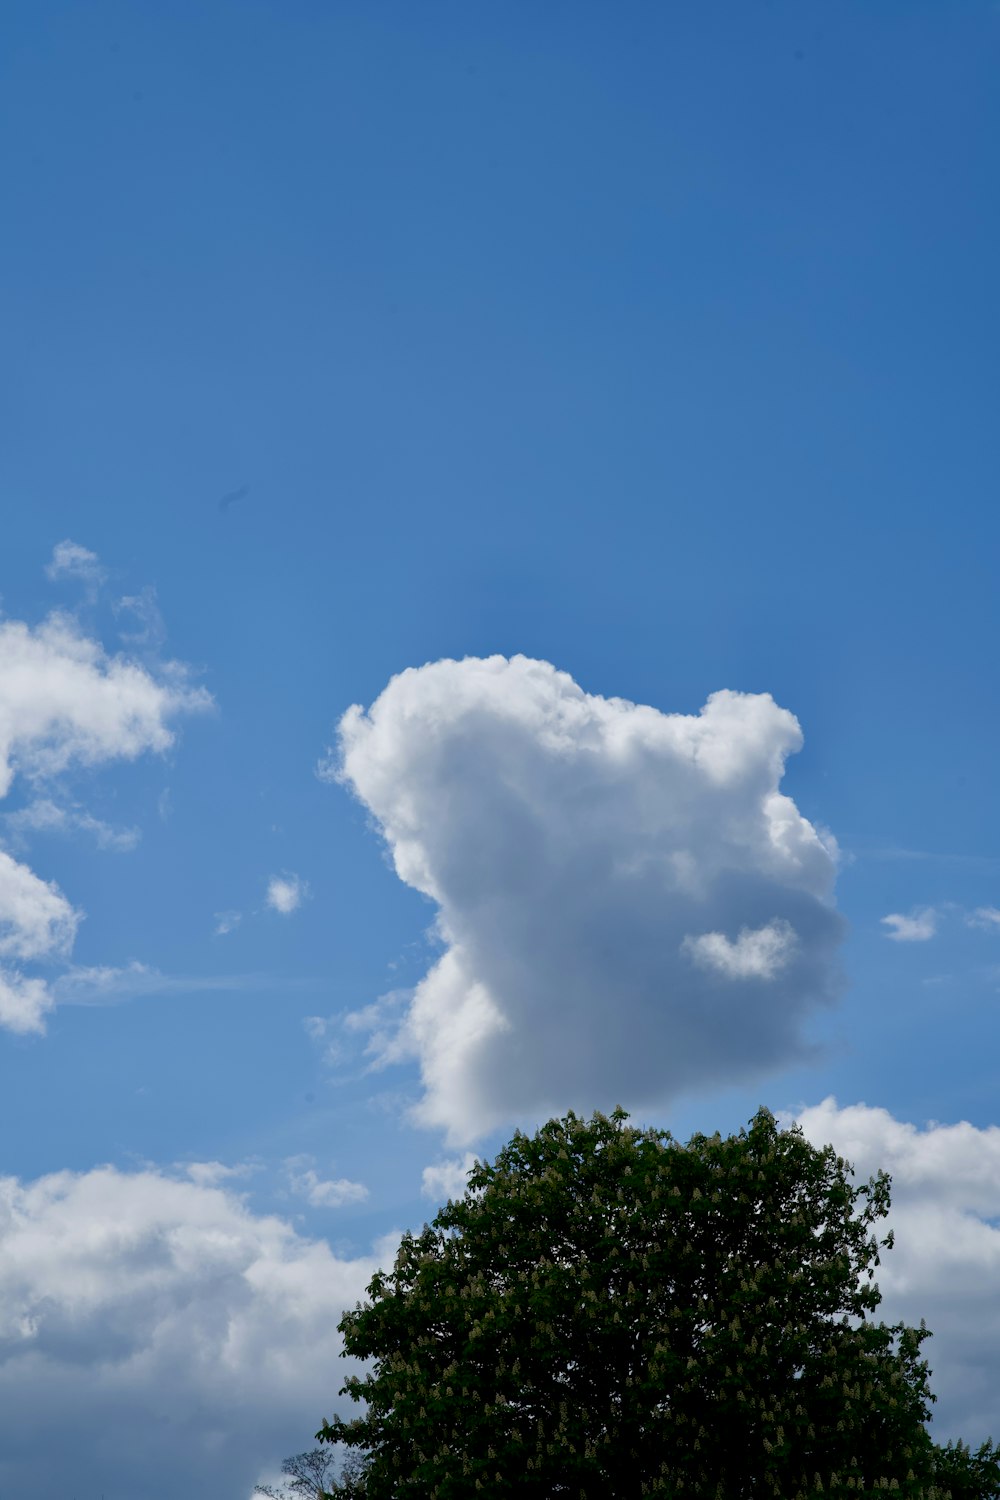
pixel 630 906
pixel 206 1332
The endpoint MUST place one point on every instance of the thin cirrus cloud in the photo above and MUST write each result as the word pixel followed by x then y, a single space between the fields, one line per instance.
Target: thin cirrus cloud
pixel 106 984
pixel 629 905
pixel 918 927
pixel 65 703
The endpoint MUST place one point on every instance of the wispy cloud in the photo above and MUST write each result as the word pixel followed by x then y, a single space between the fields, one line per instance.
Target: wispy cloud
pixel 45 816
pixel 212 1173
pixel 986 917
pixel 227 921
pixel 149 630
pixel 917 927
pixel 318 1029
pixel 70 560
pixel 388 1041
pixel 107 985
pixel 306 1183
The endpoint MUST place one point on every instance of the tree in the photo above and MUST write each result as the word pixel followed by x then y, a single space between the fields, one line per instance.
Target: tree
pixel 312 1476
pixel 965 1475
pixel 607 1313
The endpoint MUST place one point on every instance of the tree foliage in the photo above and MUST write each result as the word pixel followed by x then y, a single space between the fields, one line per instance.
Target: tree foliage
pixel 966 1475
pixel 313 1476
pixel 607 1313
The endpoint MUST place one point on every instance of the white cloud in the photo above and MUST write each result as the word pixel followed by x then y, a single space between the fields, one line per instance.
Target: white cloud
pixel 387 1040
pixel 986 917
pixel 227 921
pixel 305 1182
pixel 212 1173
pixel 756 954
pixel 23 1002
pixel 285 893
pixel 918 927
pixel 124 1296
pixel 945 1264
pixel 45 816
pixel 443 1180
pixel 63 703
pixel 571 843
pixel 36 920
pixel 70 560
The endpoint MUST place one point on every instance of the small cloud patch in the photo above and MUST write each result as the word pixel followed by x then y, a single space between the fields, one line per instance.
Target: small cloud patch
pixel 756 954
pixel 443 1180
pixel 986 917
pixel 70 560
pixel 918 927
pixel 306 1183
pixel 285 893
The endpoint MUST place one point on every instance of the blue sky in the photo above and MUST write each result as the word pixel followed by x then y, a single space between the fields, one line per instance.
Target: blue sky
pixel 657 344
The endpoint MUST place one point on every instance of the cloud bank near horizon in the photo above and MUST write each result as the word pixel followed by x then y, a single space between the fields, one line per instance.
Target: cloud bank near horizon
pixel 209 1331
pixel 630 907
pixel 149 1292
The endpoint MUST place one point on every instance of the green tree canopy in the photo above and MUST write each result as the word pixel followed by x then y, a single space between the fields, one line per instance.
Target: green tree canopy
pixel 607 1313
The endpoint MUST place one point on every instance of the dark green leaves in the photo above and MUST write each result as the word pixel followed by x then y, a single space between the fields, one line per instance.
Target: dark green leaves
pixel 608 1313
